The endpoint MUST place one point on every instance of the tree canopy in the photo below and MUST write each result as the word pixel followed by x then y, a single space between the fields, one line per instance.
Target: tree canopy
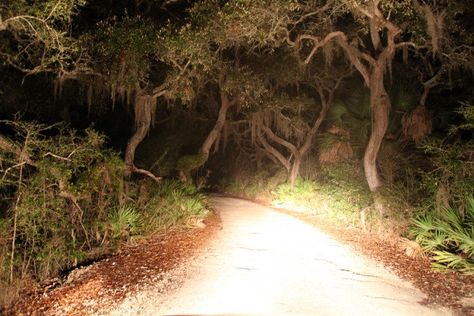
pixel 247 55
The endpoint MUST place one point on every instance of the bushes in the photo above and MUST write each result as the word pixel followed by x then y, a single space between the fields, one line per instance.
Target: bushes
pixel 339 194
pixel 448 236
pixel 445 230
pixel 255 185
pixel 59 190
pixel 64 202
pixel 172 203
pixel 451 178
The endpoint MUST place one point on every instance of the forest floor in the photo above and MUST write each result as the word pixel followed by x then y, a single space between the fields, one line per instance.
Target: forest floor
pixel 278 265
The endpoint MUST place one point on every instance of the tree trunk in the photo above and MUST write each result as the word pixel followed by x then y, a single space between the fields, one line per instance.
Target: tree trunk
pixel 216 130
pixel 132 145
pixel 187 164
pixel 295 170
pixel 380 104
pixel 144 114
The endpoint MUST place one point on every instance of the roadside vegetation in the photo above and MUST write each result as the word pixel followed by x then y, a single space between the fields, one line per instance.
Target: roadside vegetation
pixel 430 200
pixel 65 202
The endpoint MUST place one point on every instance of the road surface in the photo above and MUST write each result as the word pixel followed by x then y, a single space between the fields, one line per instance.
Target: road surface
pixel 264 262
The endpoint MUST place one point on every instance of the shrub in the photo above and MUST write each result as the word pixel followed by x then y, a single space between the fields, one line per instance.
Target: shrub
pixel 58 201
pixel 339 194
pixel 172 203
pixel 299 197
pixel 124 221
pixel 452 175
pixel 448 236
pixel 63 203
pixel 445 230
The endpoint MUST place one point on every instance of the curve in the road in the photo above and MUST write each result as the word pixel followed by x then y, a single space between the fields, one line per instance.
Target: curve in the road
pixel 264 262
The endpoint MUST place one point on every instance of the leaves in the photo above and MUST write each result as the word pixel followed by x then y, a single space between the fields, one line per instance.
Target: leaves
pixel 448 237
pixel 35 37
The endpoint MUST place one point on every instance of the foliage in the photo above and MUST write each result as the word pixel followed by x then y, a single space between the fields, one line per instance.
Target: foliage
pixel 301 196
pixel 338 193
pixel 121 52
pixel 63 202
pixel 34 34
pixel 189 162
pixel 58 203
pixel 452 171
pixel 467 112
pixel 252 184
pixel 445 229
pixel 124 221
pixel 171 204
pixel 448 236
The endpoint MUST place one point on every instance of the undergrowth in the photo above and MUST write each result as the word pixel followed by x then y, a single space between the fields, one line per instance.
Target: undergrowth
pixel 173 203
pixel 338 194
pixel 448 236
pixel 64 201
pixel 445 229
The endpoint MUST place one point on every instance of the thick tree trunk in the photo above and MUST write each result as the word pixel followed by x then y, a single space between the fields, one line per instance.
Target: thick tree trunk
pixel 272 152
pixel 380 104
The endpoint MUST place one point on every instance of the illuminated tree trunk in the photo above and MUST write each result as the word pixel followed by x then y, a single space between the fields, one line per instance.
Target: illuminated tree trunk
pixel 187 164
pixel 301 152
pixel 295 169
pixel 380 104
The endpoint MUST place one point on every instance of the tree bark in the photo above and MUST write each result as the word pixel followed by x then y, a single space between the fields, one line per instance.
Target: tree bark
pixel 216 130
pixel 380 104
pixel 272 152
pixel 295 169
pixel 142 126
pixel 132 145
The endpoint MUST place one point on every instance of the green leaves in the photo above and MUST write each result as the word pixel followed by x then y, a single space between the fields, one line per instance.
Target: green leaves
pixel 36 34
pixel 448 236
pixel 62 195
pixel 122 50
pixel 173 203
pixel 125 221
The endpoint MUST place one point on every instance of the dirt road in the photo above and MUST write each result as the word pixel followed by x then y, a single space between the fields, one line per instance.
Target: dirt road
pixel 264 262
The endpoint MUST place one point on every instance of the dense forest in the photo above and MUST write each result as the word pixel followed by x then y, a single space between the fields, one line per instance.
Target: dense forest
pixel 117 117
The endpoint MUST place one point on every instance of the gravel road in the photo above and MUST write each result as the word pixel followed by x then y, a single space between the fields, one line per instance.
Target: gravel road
pixel 264 262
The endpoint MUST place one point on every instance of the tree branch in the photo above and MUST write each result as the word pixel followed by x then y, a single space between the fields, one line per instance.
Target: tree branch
pixel 273 151
pixel 147 173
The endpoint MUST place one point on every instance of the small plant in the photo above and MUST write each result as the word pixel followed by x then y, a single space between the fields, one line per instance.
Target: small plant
pixel 172 203
pixel 124 222
pixel 448 236
pixel 300 196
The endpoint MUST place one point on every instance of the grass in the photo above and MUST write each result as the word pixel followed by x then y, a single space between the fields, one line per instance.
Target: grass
pixel 172 204
pixel 337 194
